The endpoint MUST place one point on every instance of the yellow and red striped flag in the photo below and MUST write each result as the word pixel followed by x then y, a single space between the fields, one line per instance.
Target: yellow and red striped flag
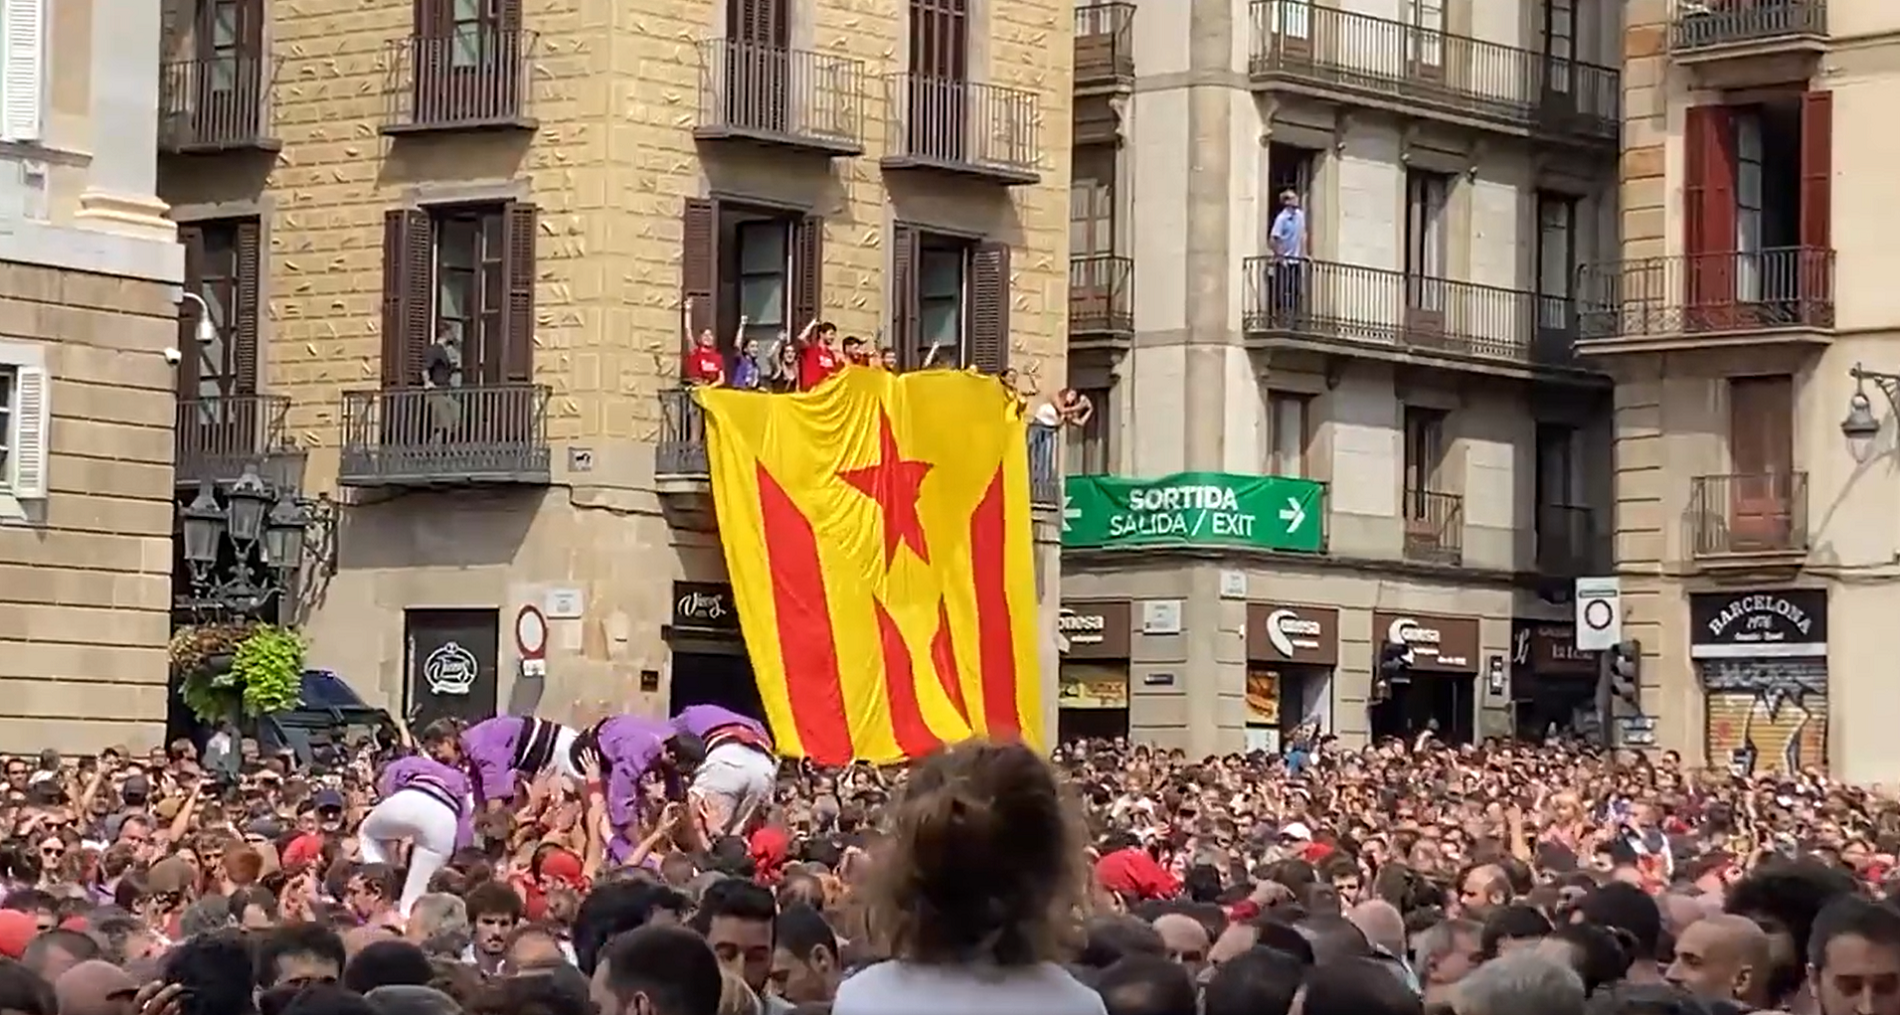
pixel 877 532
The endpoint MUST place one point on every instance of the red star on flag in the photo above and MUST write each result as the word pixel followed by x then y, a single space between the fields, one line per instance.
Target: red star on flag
pixel 895 482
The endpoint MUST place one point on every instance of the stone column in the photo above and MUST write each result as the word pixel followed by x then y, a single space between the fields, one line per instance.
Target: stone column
pixel 122 185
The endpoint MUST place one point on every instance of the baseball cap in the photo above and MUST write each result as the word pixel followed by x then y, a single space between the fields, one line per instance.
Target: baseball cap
pixel 16 929
pixel 328 799
pixel 1296 830
pixel 136 789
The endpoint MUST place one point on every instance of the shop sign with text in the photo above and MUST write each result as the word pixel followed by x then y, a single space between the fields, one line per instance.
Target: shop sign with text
pixel 1438 644
pixel 1306 635
pixel 1195 508
pixel 1095 629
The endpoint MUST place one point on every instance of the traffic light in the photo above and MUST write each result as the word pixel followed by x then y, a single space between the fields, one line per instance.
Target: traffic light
pixel 1395 667
pixel 1626 673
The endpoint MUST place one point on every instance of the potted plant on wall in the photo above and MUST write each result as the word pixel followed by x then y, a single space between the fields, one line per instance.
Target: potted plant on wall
pixel 238 670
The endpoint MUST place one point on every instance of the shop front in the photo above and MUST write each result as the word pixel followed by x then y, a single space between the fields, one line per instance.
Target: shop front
pixel 1761 660
pixel 1553 685
pixel 1438 686
pixel 1092 686
pixel 1291 653
pixel 710 664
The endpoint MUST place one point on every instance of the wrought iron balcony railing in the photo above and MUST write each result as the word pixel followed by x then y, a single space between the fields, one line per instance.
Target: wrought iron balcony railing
pixel 793 98
pixel 681 452
pixel 1711 24
pixel 1784 287
pixel 1298 43
pixel 215 436
pixel 1101 295
pixel 473 78
pixel 1352 305
pixel 1434 526
pixel 1758 513
pixel 1104 44
pixel 476 434
pixel 218 102
pixel 1569 542
pixel 963 127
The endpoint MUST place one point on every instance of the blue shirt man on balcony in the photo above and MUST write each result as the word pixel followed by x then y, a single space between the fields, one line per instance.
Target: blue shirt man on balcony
pixel 1287 240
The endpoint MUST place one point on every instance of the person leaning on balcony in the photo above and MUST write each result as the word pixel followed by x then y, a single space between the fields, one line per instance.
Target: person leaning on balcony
pixel 748 368
pixel 1067 406
pixel 856 352
pixel 781 377
pixel 1287 240
pixel 704 364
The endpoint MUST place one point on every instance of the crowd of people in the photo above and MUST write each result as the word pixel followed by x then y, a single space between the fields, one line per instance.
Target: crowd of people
pixel 678 867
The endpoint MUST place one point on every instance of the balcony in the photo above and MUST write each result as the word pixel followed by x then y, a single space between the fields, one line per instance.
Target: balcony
pixel 785 99
pixel 1569 542
pixel 1101 302
pixel 1743 43
pixel 215 436
pixel 479 435
pixel 683 476
pixel 217 103
pixel 1748 521
pixel 1330 308
pixel 476 79
pixel 1104 47
pixel 1434 527
pixel 1773 297
pixel 1336 55
pixel 962 128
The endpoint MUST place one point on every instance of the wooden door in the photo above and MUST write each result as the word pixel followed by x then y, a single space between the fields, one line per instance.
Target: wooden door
pixel 1709 255
pixel 1761 455
pixel 230 37
pixel 758 75
pixel 939 97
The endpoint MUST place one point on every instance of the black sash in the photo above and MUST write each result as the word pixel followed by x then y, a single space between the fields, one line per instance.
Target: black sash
pixel 534 747
pixel 433 787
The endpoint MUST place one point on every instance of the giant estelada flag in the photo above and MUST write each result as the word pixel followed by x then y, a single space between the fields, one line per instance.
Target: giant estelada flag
pixel 877 531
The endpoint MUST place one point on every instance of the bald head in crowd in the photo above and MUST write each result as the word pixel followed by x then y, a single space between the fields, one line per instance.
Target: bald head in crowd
pixel 1186 940
pixel 1381 923
pixel 1724 958
pixel 95 987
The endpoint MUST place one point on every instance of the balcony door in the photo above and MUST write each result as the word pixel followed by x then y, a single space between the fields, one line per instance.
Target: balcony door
pixel 466 55
pixel 1560 46
pixel 1761 462
pixel 1426 196
pixel 218 374
pixel 758 73
pixel 1092 233
pixel 230 44
pixel 1425 39
pixel 939 96
pixel 1556 262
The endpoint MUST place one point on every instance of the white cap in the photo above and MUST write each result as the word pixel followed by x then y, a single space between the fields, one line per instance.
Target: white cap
pixel 1296 830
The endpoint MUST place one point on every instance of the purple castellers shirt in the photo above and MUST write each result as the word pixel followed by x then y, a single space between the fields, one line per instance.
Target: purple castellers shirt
pixel 489 746
pixel 399 773
pixel 700 720
pixel 629 745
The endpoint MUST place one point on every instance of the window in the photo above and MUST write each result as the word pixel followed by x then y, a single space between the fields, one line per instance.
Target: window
pixel 950 295
pixel 223 266
pixel 1293 18
pixel 1757 200
pixel 23 82
pixel 458 297
pixel 1090 450
pixel 940 298
pixel 1426 45
pixel 1426 195
pixel 1559 466
pixel 1092 202
pixel 1424 452
pixel 1560 42
pixel 758 263
pixel 940 39
pixel 1556 256
pixel 1286 434
pixel 24 420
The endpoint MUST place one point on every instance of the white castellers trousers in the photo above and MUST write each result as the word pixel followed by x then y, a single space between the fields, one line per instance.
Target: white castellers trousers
pixel 428 824
pixel 736 781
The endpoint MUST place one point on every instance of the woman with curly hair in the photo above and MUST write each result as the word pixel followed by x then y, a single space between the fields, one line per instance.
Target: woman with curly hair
pixel 978 894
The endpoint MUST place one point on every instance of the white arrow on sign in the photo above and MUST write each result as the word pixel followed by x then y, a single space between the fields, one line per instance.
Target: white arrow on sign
pixel 1293 514
pixel 1069 513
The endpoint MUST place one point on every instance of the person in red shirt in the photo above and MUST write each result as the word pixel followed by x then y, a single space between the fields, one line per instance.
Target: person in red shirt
pixel 818 356
pixel 705 364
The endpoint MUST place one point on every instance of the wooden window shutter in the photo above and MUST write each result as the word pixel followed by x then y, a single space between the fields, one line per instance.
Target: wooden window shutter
pixel 906 244
pixel 519 231
pixel 192 238
pixel 759 22
pixel 23 69
pixel 408 307
pixel 808 271
pixel 1817 169
pixel 989 307
pixel 699 265
pixel 32 432
pixel 247 341
pixel 1709 216
pixel 508 15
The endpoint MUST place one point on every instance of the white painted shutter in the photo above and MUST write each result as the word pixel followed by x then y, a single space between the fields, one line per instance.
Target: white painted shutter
pixel 32 426
pixel 22 68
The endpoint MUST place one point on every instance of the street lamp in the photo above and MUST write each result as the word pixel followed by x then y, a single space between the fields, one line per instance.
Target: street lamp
pixel 249 498
pixel 1862 427
pixel 269 531
pixel 284 533
pixel 204 529
pixel 207 331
